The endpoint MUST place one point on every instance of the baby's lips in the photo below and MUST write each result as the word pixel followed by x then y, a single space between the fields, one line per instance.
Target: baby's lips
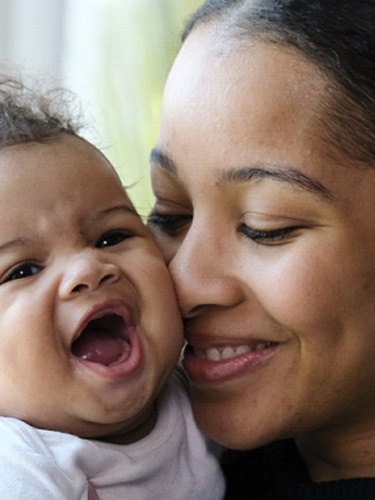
pixel 103 341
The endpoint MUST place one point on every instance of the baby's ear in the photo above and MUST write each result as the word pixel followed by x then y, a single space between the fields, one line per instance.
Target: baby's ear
pixel 92 493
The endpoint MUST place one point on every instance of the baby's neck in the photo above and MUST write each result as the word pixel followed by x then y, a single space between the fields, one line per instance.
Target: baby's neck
pixel 139 432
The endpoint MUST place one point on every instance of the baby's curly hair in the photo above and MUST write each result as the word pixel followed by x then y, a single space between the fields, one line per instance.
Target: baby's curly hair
pixel 27 115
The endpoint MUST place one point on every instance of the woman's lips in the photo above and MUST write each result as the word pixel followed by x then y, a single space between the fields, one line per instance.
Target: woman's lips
pixel 228 352
pixel 220 363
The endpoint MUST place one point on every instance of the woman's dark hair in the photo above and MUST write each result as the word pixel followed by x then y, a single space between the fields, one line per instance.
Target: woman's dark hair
pixel 337 36
pixel 30 116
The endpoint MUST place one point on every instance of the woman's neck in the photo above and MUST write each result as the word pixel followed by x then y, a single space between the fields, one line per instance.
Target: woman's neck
pixel 329 457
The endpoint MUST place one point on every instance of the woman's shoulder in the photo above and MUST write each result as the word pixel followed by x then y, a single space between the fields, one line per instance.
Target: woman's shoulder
pixel 277 472
pixel 244 474
pixel 255 474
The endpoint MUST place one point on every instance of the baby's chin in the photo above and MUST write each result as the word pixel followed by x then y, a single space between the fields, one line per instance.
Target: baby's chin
pixel 125 430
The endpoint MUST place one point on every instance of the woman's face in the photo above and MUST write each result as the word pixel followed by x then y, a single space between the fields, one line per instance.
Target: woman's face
pixel 271 246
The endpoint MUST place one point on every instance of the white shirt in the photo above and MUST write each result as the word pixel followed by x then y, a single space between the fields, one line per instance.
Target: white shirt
pixel 171 463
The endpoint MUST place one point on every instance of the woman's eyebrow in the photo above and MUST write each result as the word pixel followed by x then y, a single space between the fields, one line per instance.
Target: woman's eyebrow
pixel 157 156
pixel 289 175
pixel 245 174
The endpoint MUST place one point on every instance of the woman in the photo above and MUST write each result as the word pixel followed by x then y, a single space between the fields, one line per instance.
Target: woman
pixel 264 177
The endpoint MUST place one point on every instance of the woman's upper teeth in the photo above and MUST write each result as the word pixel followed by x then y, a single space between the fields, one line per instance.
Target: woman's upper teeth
pixel 228 352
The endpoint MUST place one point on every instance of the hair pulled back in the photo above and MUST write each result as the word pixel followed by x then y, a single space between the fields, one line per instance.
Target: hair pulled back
pixel 338 37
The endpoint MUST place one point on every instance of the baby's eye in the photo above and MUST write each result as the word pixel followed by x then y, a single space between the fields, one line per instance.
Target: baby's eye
pixel 113 237
pixel 269 237
pixel 169 223
pixel 24 270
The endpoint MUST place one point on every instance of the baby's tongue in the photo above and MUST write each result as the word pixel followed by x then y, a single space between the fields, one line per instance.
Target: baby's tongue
pixel 101 348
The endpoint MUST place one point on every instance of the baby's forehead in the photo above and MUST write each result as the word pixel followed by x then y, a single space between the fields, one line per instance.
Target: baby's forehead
pixel 64 161
pixel 60 149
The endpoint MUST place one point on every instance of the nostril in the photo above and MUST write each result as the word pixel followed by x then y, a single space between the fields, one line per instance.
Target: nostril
pixel 79 288
pixel 107 278
pixel 194 311
pixel 84 275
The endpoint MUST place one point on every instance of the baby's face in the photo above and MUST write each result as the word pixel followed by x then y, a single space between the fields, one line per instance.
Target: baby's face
pixel 90 329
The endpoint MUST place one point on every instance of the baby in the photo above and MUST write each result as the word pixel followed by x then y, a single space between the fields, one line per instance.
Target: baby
pixel 90 330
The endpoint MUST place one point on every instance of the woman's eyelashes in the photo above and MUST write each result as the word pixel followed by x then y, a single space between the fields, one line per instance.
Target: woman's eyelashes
pixel 269 237
pixel 172 224
pixel 114 237
pixel 22 270
pixel 169 223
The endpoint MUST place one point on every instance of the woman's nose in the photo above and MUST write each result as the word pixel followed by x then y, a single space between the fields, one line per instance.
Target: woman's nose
pixel 204 273
pixel 86 272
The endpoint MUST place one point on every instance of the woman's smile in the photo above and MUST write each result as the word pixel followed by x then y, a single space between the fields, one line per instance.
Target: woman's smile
pixel 222 363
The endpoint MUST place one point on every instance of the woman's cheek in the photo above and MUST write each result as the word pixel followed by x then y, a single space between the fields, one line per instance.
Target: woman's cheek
pixel 298 291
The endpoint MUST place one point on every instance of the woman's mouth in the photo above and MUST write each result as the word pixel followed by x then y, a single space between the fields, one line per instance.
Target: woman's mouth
pixel 228 352
pixel 220 363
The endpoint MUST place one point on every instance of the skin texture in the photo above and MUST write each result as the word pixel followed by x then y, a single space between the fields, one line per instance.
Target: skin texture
pixel 271 247
pixel 72 248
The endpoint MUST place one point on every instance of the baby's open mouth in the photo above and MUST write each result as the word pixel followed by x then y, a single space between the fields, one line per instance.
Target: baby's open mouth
pixel 104 341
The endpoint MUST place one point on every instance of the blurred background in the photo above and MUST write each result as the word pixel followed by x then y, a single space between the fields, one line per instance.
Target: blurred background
pixel 114 55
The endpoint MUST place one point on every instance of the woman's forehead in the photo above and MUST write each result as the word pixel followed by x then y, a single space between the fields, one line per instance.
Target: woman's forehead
pixel 203 73
pixel 258 97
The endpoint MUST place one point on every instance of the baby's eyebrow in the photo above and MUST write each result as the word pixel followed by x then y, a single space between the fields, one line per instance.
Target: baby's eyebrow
pixel 123 208
pixel 289 175
pixel 17 242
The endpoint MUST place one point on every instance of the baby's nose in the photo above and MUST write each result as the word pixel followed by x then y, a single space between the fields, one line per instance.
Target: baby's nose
pixel 86 272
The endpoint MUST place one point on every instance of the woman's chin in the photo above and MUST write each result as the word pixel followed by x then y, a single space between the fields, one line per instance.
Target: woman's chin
pixel 230 426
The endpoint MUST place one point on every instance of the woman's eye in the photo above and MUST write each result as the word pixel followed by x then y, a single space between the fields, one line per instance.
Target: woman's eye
pixel 24 270
pixel 114 237
pixel 269 237
pixel 169 223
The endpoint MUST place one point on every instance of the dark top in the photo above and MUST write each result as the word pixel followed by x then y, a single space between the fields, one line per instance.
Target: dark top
pixel 277 472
